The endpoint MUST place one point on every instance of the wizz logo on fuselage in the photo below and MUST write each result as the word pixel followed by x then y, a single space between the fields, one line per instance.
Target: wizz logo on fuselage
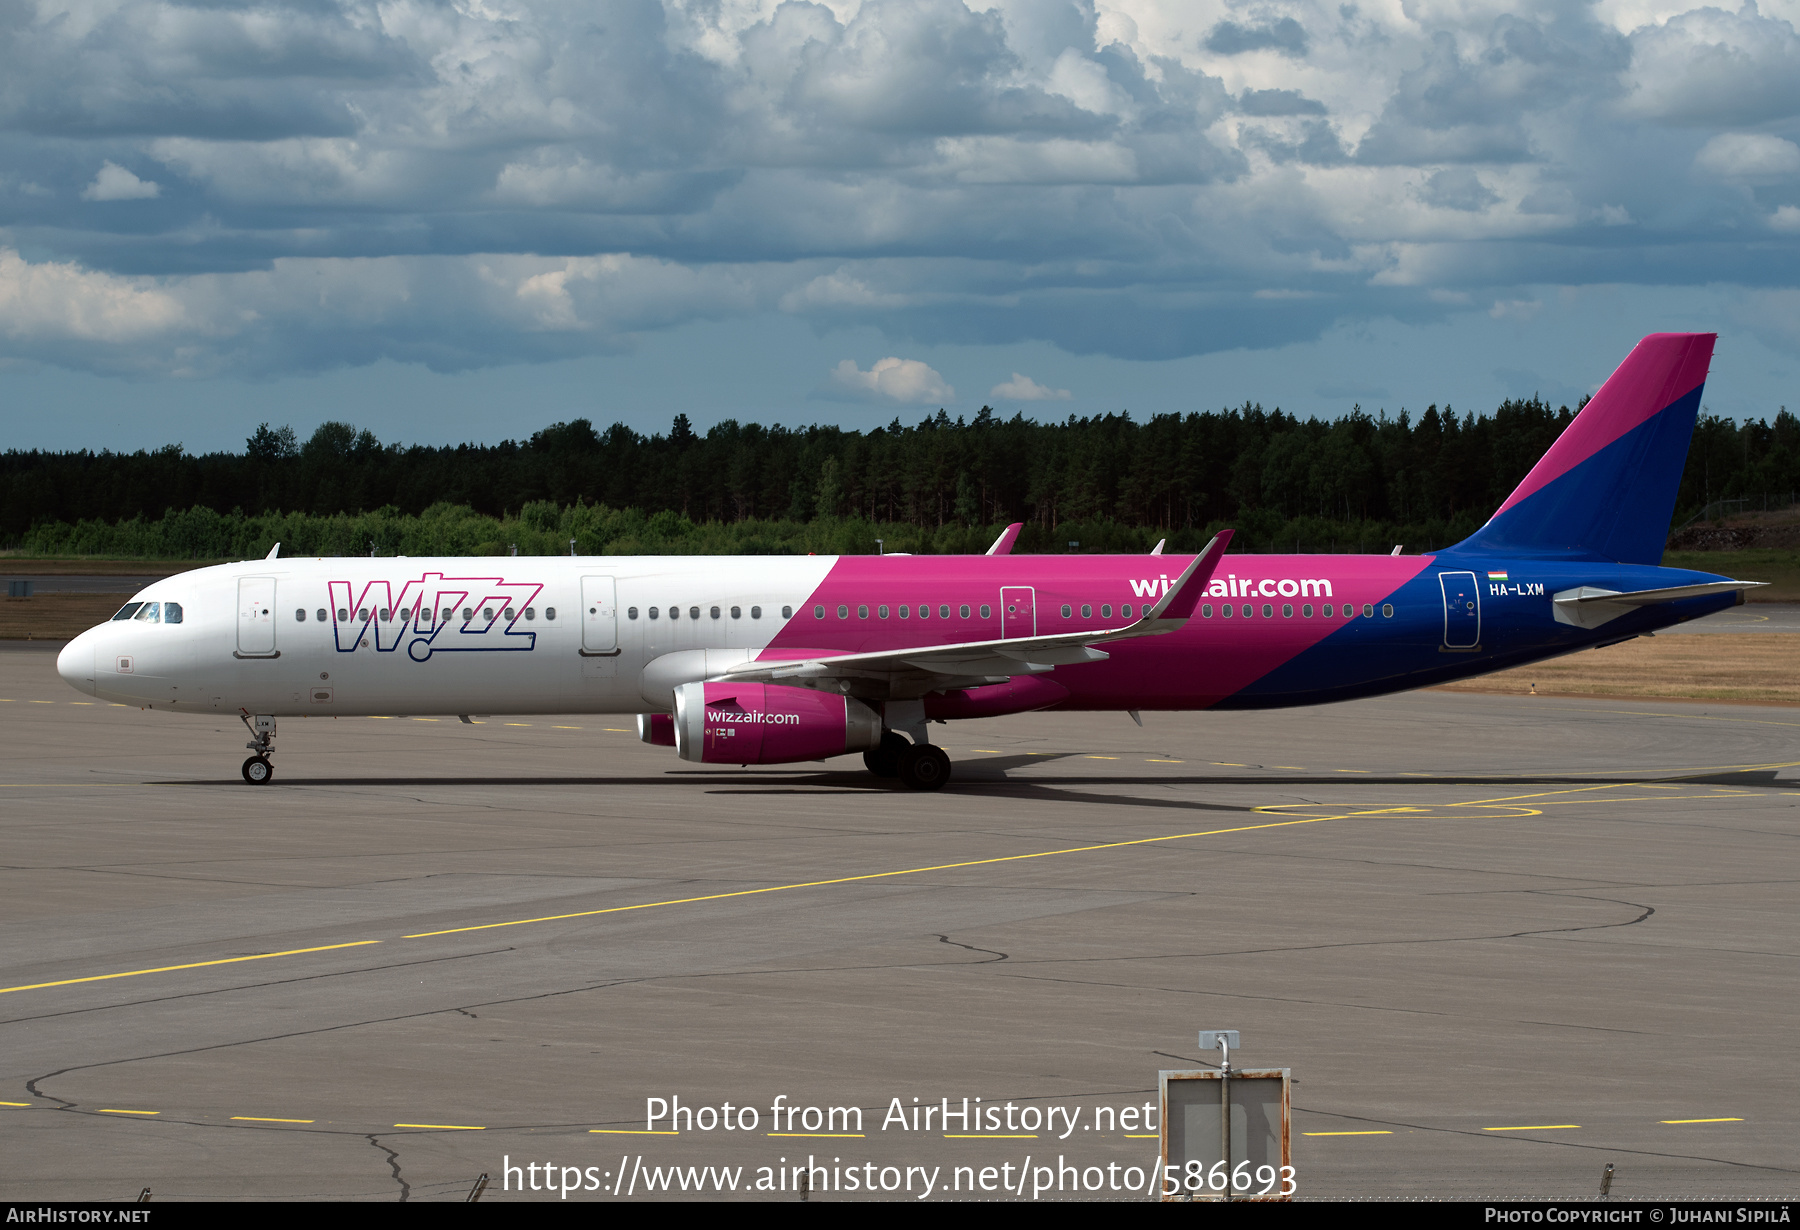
pixel 433 614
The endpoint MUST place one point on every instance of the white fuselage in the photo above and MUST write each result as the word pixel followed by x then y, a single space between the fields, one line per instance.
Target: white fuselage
pixel 454 635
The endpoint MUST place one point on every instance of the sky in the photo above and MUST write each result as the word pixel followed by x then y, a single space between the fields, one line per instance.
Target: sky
pixel 465 220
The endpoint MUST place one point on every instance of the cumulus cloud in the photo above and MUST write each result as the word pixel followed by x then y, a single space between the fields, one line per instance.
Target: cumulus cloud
pixel 1457 188
pixel 896 380
pixel 1284 35
pixel 115 183
pixel 1749 156
pixel 1024 388
pixel 1712 66
pixel 518 180
pixel 59 303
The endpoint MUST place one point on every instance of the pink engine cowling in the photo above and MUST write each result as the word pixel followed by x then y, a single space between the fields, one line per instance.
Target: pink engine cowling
pixel 759 723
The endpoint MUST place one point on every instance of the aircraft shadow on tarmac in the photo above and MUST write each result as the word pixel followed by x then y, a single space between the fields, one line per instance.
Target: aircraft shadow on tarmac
pixel 993 776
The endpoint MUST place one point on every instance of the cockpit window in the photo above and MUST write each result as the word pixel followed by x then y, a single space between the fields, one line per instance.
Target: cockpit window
pixel 127 611
pixel 171 612
pixel 149 613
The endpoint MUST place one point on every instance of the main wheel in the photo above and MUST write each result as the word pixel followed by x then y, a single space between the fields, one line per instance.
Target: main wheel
pixel 884 761
pixel 923 766
pixel 258 771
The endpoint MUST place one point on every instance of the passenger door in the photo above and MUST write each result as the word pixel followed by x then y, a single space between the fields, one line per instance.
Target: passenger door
pixel 1462 610
pixel 599 626
pixel 256 618
pixel 1018 612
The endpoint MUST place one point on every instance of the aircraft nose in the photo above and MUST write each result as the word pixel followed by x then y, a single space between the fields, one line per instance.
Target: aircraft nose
pixel 76 663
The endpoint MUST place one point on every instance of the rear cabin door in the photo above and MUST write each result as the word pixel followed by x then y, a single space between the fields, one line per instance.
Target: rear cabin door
pixel 1462 610
pixel 1018 612
pixel 256 617
pixel 599 617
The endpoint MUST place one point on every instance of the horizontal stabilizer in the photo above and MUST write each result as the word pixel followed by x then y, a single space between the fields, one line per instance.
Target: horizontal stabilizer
pixel 1588 606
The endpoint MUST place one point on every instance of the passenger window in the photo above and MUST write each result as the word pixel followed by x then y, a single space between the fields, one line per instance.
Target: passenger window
pixel 924 611
pixel 674 612
pixel 1268 611
pixel 818 612
pixel 1287 610
pixel 1387 611
pixel 1206 610
pixel 1368 610
pixel 387 615
pixel 737 612
pixel 652 612
pixel 1087 610
pixel 468 614
pixel 300 615
pixel 1066 610
pixel 172 613
pixel 693 612
pixel 550 613
pixel 787 612
pixel 987 612
pixel 630 612
pixel 1106 610
pixel 881 611
pixel 1126 610
pixel 1326 610
pixel 755 612
pixel 149 613
pixel 843 612
pixel 1248 610
pixel 530 612
pixel 1225 611
pixel 127 611
pixel 714 612
pixel 862 612
pixel 964 610
pixel 905 611
pixel 1306 610
pixel 943 610
pixel 487 614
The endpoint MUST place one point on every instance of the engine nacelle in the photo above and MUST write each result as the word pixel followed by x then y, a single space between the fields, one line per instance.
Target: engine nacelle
pixel 759 723
pixel 657 728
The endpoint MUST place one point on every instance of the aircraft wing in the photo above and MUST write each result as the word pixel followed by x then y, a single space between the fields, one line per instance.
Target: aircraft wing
pixel 977 662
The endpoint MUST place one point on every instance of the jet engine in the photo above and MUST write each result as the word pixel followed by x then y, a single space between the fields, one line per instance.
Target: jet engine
pixel 657 728
pixel 759 723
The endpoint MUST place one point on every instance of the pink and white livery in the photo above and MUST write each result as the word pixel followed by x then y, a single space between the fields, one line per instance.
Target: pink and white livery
pixel 781 660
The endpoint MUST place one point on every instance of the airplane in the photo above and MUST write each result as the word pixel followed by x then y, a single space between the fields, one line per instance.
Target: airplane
pixel 771 660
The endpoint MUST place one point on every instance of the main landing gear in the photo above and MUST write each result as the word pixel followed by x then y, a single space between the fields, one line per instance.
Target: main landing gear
pixel 257 770
pixel 919 766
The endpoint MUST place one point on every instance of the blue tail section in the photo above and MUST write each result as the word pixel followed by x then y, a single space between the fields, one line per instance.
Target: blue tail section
pixel 1606 489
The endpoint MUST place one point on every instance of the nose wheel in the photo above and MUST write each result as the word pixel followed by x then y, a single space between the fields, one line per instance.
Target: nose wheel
pixel 257 770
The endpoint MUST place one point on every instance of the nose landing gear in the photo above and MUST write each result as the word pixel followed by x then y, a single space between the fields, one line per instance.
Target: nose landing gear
pixel 257 769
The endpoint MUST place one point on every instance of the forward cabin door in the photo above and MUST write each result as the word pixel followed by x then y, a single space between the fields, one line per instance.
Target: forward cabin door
pixel 599 626
pixel 1462 610
pixel 256 617
pixel 599 617
pixel 1018 612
